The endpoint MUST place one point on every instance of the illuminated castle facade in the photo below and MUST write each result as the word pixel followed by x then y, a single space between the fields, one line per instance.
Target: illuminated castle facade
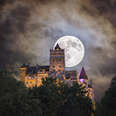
pixel 32 76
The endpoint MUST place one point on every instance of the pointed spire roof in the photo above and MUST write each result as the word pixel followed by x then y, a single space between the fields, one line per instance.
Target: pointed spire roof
pixel 83 74
pixel 57 47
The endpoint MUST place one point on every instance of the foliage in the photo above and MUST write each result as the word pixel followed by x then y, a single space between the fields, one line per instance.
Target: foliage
pixel 50 99
pixel 15 98
pixel 75 101
pixel 108 102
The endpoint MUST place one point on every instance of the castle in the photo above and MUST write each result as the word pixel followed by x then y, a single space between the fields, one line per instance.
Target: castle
pixel 32 75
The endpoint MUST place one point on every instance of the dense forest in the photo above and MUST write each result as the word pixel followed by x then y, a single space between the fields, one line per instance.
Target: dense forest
pixel 51 99
pixel 107 105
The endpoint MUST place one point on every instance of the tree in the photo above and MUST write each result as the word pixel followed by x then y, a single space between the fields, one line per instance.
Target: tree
pixel 108 102
pixel 16 99
pixel 75 101
pixel 49 96
pixel 61 100
pixel 8 84
pixel 51 99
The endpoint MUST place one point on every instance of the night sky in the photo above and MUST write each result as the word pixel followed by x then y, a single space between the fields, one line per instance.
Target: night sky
pixel 29 28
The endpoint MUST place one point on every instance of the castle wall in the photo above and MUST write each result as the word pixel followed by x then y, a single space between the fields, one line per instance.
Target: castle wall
pixel 30 82
pixel 36 79
pixel 22 73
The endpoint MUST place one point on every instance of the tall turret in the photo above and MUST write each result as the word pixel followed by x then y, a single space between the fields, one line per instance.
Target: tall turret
pixel 83 76
pixel 57 59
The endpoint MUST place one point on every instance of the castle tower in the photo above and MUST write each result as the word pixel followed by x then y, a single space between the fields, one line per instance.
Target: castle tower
pixel 57 59
pixel 83 76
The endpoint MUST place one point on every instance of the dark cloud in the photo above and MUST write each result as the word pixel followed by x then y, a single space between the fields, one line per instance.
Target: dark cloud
pixel 2 2
pixel 105 5
pixel 109 67
pixel 106 8
pixel 12 24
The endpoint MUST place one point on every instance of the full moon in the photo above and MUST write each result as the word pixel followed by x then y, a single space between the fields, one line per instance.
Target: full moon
pixel 74 50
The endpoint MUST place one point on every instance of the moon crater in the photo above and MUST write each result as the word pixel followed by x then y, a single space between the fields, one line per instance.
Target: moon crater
pixel 74 50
